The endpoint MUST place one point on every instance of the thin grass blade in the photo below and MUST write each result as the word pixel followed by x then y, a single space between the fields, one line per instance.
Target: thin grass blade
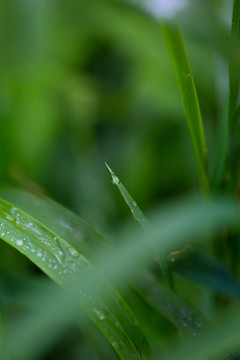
pixel 138 216
pixel 175 44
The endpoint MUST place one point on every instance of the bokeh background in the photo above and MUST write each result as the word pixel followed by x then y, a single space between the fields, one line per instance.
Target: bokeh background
pixel 89 81
pixel 84 82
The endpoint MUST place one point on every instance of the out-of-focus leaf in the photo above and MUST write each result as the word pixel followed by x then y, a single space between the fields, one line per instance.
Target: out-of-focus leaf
pixel 190 322
pixel 171 227
pixel 204 270
pixel 175 44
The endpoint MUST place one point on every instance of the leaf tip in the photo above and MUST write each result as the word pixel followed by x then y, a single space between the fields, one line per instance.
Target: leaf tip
pixel 115 179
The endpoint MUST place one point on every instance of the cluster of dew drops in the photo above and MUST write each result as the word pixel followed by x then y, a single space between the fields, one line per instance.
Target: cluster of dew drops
pixel 54 253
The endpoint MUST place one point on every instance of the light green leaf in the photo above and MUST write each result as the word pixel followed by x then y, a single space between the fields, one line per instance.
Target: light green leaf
pixel 138 216
pixel 175 44
pixel 64 264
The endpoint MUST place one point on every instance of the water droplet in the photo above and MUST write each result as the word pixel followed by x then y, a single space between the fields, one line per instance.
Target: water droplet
pixel 99 314
pixel 184 324
pixel 134 203
pixel 19 242
pixel 73 252
pixel 59 254
pixel 39 253
pixel 115 180
pixel 172 260
pixel 9 217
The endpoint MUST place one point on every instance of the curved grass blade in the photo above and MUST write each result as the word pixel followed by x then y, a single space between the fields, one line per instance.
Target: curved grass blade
pixel 187 320
pixel 173 226
pixel 175 44
pixel 63 222
pixel 138 215
pixel 64 264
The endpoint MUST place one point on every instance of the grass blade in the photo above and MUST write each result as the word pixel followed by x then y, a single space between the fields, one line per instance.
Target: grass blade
pixel 64 264
pixel 226 153
pixel 138 215
pixel 233 75
pixel 174 226
pixel 175 44
pixel 60 220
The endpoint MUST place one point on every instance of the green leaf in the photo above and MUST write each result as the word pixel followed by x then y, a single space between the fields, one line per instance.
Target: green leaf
pixel 175 44
pixel 64 264
pixel 233 74
pixel 172 226
pixel 204 270
pixel 138 215
pixel 228 144
pixel 60 220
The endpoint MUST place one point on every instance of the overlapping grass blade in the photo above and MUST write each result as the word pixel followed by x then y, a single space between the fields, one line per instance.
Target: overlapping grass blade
pixel 171 228
pixel 64 264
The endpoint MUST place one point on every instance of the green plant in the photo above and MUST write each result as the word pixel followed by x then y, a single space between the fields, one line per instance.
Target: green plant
pixel 170 291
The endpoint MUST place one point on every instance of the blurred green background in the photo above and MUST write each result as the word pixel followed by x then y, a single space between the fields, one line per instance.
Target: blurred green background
pixel 89 81
pixel 84 82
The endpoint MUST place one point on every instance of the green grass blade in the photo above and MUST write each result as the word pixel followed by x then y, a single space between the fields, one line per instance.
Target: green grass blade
pixel 233 74
pixel 136 211
pixel 64 264
pixel 138 215
pixel 60 220
pixel 233 95
pixel 175 44
pixel 173 226
pixel 224 160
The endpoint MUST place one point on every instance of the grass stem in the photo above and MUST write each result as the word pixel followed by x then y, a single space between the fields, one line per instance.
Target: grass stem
pixel 176 47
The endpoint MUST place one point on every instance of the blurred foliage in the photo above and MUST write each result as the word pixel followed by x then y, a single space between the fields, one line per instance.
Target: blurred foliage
pixel 89 81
